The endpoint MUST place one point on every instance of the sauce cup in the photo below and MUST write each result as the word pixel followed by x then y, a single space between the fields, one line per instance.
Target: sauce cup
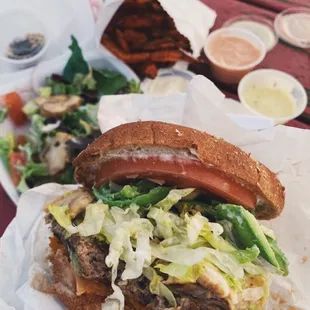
pixel 232 74
pixel 18 23
pixel 274 79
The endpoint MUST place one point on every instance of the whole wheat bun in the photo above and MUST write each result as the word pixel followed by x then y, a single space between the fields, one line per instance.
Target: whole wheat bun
pixel 226 158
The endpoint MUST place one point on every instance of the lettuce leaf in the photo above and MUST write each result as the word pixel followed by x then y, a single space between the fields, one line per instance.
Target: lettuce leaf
pixel 93 220
pixel 76 63
pixel 63 219
pixel 167 224
pixel 7 145
pixel 91 225
pixel 184 273
pixel 183 255
pixel 157 287
pixel 151 198
pixel 173 197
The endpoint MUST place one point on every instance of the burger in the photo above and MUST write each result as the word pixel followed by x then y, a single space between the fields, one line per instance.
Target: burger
pixel 166 219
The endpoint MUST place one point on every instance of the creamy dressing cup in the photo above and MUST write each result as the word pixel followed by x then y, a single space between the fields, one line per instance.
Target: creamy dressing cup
pixel 259 25
pixel 232 74
pixel 276 80
pixel 17 24
pixel 168 81
pixel 293 26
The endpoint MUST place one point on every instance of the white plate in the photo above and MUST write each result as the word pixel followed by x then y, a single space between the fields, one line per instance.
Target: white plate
pixel 33 80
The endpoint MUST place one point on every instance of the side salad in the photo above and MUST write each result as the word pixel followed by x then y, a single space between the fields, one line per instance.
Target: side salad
pixel 63 121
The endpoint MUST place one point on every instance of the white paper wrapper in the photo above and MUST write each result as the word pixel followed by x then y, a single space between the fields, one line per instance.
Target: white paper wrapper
pixel 192 18
pixel 285 150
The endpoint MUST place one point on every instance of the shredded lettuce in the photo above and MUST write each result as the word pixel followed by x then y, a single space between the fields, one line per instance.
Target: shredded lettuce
pixel 167 224
pixel 157 287
pixel 91 225
pixel 125 228
pixel 183 273
pixel 61 216
pixel 183 255
pixel 173 197
pixel 93 220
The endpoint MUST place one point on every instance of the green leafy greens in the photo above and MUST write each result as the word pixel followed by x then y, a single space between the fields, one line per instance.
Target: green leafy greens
pixel 76 63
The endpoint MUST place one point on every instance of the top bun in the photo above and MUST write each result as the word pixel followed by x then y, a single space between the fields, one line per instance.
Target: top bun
pixel 226 158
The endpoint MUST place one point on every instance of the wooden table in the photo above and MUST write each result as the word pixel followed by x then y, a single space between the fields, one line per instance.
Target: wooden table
pixel 283 57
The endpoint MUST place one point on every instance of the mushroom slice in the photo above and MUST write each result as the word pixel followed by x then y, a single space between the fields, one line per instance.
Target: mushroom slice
pixel 77 201
pixel 56 106
pixel 55 153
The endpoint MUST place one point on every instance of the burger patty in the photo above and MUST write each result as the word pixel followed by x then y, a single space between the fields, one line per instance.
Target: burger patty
pixel 87 255
pixel 88 260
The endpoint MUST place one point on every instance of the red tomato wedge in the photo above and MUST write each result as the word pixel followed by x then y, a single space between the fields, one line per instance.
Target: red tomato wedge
pixel 15 104
pixel 20 140
pixel 17 159
pixel 181 172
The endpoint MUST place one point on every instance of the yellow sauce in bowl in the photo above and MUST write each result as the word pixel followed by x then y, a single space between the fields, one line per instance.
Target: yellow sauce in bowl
pixel 271 102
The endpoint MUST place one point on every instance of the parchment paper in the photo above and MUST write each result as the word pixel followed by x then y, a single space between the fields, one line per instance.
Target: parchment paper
pixel 285 150
pixel 192 18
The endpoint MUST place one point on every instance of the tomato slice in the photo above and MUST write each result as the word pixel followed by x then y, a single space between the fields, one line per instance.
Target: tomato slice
pixel 17 159
pixel 14 103
pixel 184 173
pixel 20 140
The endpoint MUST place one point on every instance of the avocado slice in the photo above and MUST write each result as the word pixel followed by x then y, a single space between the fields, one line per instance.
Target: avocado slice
pixel 246 230
pixel 280 256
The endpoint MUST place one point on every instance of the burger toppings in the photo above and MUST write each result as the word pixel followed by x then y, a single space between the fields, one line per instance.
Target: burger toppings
pixel 190 250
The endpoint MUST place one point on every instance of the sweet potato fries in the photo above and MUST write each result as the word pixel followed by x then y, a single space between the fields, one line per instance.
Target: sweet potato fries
pixel 144 36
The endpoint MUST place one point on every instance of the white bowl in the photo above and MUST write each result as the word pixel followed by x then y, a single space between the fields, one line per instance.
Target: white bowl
pixel 269 78
pixel 232 74
pixel 17 24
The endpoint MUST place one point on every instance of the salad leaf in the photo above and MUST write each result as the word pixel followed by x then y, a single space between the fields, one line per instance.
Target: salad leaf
pixel 183 273
pixel 134 87
pixel 7 145
pixel 157 287
pixel 76 63
pixel 30 169
pixel 36 133
pixel 30 108
pixel 184 255
pixel 247 255
pixel 108 82
pixel 67 176
pixel 168 225
pixel 58 87
pixel 151 198
pixel 93 220
pixel 45 91
pixel 3 114
pixel 122 228
pixel 60 213
pixel 173 197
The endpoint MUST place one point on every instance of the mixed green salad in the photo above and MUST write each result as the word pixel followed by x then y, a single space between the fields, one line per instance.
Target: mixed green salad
pixel 63 122
pixel 173 238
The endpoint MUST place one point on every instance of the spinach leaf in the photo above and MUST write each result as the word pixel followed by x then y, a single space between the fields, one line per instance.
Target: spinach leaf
pixel 76 63
pixel 108 82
